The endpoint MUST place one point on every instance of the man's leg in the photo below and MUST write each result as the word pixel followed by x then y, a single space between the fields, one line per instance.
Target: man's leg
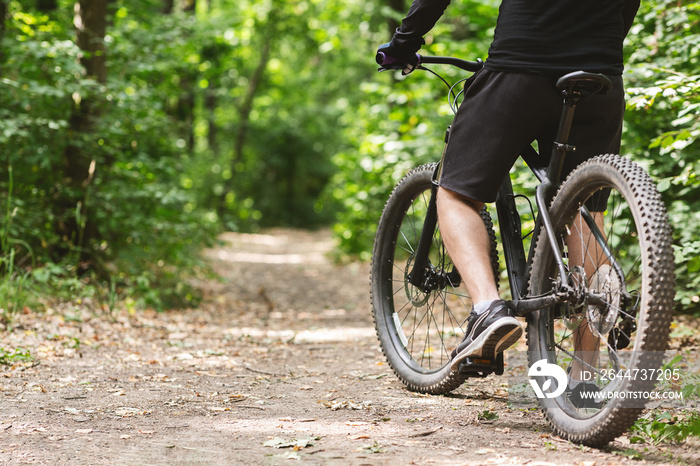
pixel 467 241
pixel 491 327
pixel 584 251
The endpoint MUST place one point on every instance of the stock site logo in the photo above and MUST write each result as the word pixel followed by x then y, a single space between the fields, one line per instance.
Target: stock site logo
pixel 546 372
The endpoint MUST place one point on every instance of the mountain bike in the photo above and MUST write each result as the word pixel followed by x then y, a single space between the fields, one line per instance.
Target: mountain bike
pixel 621 293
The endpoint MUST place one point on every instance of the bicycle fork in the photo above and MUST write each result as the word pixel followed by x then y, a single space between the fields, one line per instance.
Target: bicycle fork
pixel 421 263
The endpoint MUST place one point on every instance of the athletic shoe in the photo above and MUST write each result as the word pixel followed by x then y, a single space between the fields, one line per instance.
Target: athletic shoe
pixel 488 333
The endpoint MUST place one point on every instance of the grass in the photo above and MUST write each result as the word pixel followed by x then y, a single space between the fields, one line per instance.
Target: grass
pixel 666 427
pixel 12 357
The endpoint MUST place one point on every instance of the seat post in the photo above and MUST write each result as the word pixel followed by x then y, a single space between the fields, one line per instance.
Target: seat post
pixel 561 146
pixel 545 191
pixel 574 87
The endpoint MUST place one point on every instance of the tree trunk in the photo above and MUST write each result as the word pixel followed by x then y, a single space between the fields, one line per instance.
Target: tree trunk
pixel 91 23
pixel 189 5
pixel 186 102
pixel 46 5
pixel 247 105
pixel 3 16
pixel 77 228
pixel 212 53
pixel 168 6
pixel 244 111
pixel 210 104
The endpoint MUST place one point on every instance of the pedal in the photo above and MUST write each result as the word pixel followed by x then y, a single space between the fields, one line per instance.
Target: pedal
pixel 481 367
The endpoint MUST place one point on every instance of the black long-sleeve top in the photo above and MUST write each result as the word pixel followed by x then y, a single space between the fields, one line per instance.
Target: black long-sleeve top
pixel 541 36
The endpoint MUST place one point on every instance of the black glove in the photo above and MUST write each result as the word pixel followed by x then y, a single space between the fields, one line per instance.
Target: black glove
pixel 391 57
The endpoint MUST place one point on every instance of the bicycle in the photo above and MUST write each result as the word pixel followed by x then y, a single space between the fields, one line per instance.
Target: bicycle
pixel 626 302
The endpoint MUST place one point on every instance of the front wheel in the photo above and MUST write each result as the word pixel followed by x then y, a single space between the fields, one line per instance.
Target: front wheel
pixel 418 327
pixel 611 340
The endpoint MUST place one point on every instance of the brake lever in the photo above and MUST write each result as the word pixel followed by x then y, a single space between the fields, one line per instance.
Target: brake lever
pixel 390 63
pixel 390 68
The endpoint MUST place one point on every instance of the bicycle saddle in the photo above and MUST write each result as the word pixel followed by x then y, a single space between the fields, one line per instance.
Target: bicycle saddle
pixel 583 84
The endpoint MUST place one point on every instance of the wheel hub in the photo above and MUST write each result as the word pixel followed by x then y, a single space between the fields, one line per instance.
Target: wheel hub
pixel 601 318
pixel 434 279
pixel 415 295
pixel 572 314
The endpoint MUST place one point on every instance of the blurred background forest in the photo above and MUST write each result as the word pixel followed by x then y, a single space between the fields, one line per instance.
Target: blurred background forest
pixel 134 132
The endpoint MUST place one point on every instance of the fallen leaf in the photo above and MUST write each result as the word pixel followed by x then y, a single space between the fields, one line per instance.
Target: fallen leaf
pixel 296 444
pixel 83 431
pixel 128 412
pixel 426 433
pixel 210 374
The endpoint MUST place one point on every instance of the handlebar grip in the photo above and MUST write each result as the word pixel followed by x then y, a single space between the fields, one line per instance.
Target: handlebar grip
pixel 384 59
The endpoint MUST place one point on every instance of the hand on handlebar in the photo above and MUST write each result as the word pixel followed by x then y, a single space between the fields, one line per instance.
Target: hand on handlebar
pixel 391 57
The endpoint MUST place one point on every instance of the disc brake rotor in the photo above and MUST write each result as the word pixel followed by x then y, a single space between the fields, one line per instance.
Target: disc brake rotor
pixel 601 318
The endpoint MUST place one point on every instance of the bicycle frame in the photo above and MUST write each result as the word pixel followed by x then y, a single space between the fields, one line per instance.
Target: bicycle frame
pixel 574 87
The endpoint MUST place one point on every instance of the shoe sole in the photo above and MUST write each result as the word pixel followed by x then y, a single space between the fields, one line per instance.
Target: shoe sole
pixel 501 335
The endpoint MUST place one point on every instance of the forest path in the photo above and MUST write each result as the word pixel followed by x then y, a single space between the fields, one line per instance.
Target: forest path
pixel 280 362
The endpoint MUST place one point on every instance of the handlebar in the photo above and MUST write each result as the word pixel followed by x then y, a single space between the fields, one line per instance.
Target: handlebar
pixel 472 66
pixel 388 63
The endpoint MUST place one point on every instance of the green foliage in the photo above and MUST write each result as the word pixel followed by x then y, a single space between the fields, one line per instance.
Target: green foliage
pixel 228 116
pixel 665 427
pixel 136 222
pixel 295 96
pixel 663 125
pixel 487 415
pixel 398 123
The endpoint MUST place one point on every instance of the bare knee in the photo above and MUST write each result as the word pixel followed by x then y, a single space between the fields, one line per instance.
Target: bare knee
pixel 446 196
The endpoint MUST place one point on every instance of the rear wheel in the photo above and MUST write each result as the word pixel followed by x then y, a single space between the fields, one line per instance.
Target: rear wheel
pixel 625 331
pixel 418 327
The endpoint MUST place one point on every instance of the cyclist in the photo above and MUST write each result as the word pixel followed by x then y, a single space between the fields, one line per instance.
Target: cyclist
pixel 512 102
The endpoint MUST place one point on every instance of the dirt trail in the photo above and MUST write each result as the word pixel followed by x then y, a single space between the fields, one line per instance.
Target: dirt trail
pixel 279 364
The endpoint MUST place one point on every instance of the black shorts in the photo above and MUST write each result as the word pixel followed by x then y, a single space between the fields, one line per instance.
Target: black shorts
pixel 502 113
